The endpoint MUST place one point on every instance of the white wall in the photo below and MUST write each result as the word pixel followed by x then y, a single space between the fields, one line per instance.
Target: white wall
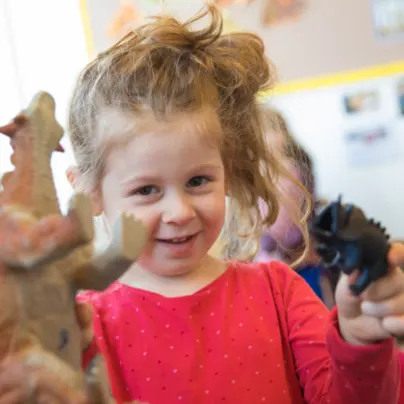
pixel 318 121
pixel 10 97
pixel 43 48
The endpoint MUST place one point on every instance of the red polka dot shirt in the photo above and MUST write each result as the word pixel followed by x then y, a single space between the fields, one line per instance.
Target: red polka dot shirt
pixel 257 334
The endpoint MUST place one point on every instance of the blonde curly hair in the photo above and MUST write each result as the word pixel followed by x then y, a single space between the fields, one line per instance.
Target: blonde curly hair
pixel 165 67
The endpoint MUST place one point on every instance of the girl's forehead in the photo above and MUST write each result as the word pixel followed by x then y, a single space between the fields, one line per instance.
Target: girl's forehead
pixel 169 154
pixel 117 128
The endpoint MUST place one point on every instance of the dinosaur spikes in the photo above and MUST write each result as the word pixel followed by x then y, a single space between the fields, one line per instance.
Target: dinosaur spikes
pixel 374 223
pixel 380 227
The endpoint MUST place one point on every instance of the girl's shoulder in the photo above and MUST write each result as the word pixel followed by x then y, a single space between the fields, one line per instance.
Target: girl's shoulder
pixel 243 279
pixel 102 300
pixel 274 275
pixel 272 269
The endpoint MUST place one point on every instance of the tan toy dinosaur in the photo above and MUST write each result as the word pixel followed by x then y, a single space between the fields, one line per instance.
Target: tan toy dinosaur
pixel 45 257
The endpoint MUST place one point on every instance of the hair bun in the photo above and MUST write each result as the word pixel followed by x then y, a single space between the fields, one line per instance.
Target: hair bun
pixel 243 70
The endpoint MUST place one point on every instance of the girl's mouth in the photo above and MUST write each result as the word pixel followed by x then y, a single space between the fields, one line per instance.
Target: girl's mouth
pixel 176 240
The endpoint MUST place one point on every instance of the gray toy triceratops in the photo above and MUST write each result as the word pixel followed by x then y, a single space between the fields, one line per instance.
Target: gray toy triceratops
pixel 46 258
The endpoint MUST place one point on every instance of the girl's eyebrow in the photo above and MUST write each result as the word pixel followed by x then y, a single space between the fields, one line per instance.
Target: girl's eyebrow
pixel 153 177
pixel 206 166
pixel 139 178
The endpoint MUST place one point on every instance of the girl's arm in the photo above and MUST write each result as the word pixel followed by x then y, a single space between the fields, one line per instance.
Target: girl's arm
pixel 329 369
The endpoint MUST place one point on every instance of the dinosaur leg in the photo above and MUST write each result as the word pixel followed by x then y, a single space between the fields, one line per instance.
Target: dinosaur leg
pixel 28 242
pixel 46 374
pixel 16 243
pixel 80 213
pixel 67 232
pixel 97 272
pixel 39 385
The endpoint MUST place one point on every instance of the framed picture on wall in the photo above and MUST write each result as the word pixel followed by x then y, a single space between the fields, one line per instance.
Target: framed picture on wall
pixel 400 96
pixel 388 16
pixel 369 146
pixel 363 101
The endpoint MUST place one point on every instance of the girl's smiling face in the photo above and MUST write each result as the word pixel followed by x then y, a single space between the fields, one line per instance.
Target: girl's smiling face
pixel 172 178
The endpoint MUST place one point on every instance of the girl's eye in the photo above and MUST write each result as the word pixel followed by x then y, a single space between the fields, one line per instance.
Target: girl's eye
pixel 146 190
pixel 197 181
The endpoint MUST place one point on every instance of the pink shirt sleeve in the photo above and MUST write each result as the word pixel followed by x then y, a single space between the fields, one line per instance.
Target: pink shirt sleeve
pixel 354 374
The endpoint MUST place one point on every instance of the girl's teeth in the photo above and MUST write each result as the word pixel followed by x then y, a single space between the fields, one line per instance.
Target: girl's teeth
pixel 179 240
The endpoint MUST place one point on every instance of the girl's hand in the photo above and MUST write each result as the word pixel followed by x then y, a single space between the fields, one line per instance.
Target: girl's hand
pixel 379 312
pixel 21 384
pixel 84 314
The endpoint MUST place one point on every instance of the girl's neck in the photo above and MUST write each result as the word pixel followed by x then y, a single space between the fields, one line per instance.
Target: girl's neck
pixel 207 271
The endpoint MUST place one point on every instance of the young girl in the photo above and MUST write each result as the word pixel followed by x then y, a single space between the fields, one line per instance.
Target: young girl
pixel 165 124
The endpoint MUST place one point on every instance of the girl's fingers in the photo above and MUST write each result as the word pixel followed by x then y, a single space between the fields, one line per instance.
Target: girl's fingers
pixel 386 287
pixel 12 397
pixel 389 307
pixel 84 313
pixel 396 255
pixel 394 325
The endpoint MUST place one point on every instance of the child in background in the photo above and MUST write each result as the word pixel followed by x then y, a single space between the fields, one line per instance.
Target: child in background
pixel 284 240
pixel 164 124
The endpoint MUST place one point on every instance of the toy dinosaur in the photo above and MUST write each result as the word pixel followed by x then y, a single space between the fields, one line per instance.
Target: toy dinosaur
pixel 350 241
pixel 47 257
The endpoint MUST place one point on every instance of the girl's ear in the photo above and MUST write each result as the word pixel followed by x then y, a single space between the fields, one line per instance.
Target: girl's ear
pixel 73 175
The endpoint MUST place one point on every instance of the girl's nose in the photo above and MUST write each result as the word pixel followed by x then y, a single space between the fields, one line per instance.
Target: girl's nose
pixel 178 210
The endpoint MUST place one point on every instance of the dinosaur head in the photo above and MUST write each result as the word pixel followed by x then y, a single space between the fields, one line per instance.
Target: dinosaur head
pixel 12 128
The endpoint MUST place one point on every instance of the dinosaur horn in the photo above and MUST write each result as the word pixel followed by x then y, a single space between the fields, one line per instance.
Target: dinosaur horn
pixel 11 129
